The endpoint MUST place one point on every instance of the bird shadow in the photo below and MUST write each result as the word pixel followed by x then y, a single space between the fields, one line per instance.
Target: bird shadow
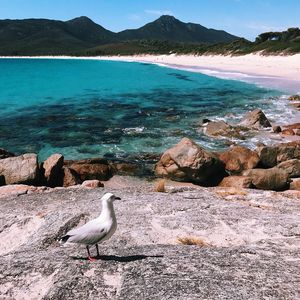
pixel 116 258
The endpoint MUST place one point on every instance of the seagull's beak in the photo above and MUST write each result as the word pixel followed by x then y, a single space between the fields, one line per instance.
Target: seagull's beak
pixel 117 198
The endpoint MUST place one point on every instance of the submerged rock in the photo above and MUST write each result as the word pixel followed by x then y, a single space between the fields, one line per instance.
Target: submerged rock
pixel 189 162
pixel 256 119
pixel 221 128
pixel 238 159
pixel 20 169
pixel 269 179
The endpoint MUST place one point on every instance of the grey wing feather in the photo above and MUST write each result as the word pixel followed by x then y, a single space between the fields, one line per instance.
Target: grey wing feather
pixel 89 234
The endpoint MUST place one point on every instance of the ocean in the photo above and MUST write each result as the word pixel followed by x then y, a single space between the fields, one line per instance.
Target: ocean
pixel 91 108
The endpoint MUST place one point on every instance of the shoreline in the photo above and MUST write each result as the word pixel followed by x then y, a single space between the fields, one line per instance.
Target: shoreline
pixel 264 72
pixel 276 71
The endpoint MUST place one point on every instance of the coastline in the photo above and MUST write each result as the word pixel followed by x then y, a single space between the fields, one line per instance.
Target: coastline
pixel 278 72
pixel 275 71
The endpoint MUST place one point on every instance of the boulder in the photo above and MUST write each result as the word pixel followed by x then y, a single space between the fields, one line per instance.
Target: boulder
pixel 5 154
pixel 297 131
pixel 292 129
pixel 92 184
pixel 268 179
pixel 238 159
pixel 270 156
pixel 221 128
pixel 89 169
pixel 294 98
pixel 236 182
pixel 296 105
pixel 288 131
pixel 295 184
pixel 188 162
pixel 53 172
pixel 276 129
pixel 255 119
pixel 217 128
pixel 71 178
pixel 292 126
pixel 292 167
pixel 20 169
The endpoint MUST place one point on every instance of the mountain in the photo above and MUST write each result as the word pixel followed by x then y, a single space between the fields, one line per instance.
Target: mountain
pixel 42 36
pixel 88 31
pixel 51 37
pixel 170 29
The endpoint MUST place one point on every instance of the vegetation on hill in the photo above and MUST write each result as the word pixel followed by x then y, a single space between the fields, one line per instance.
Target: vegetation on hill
pixel 237 47
pixel 82 37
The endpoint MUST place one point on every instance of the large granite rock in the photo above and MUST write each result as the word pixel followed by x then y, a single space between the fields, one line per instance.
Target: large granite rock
pixel 70 177
pixel 53 172
pixel 269 179
pixel 270 156
pixel 189 162
pixel 252 252
pixel 238 159
pixel 255 119
pixel 89 169
pixel 292 167
pixel 236 182
pixel 20 169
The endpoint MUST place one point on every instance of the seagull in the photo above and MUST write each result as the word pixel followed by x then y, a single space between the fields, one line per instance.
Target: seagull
pixel 95 231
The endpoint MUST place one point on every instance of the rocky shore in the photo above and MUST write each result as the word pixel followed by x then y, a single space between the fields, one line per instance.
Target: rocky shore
pixel 274 167
pixel 216 226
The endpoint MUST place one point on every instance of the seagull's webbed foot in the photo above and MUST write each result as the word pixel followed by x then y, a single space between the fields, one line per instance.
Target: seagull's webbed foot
pixel 91 258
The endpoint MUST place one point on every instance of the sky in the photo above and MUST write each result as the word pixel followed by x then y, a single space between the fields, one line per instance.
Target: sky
pixel 244 18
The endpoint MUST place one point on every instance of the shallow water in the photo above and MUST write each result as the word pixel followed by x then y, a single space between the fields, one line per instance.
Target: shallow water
pixel 87 108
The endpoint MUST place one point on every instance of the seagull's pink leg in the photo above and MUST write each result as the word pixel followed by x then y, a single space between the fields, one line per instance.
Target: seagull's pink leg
pixel 89 254
pixel 98 254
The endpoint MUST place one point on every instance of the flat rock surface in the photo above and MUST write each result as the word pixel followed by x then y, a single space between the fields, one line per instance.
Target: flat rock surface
pixel 253 242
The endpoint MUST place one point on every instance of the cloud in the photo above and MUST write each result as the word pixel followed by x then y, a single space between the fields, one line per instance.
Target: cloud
pixel 159 12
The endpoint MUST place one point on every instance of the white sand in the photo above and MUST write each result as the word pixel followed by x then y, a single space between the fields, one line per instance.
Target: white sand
pixel 287 67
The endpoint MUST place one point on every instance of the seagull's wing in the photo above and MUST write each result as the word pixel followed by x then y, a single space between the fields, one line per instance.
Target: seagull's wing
pixel 90 233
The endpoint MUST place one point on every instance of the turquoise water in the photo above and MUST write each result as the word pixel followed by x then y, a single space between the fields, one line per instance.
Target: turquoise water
pixel 88 108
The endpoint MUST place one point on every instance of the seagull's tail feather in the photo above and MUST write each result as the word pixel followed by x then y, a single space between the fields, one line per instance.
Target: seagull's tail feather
pixel 64 239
